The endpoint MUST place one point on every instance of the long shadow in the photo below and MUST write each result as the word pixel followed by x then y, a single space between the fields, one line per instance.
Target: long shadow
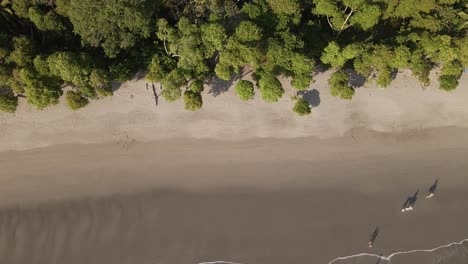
pixel 413 198
pixel 141 74
pixel 116 85
pixel 432 189
pixel 380 259
pixel 311 96
pixel 410 201
pixel 373 236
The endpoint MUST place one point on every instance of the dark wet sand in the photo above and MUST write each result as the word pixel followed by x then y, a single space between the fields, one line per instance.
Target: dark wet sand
pixel 265 201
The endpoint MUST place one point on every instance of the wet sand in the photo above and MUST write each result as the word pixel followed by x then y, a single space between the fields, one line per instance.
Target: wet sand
pixel 258 201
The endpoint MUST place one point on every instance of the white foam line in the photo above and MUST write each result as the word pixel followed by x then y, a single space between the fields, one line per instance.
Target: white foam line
pixel 219 262
pixel 397 253
pixel 363 254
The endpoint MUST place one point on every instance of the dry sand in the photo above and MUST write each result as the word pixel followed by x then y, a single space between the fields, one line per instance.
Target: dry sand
pixel 241 182
pixel 130 115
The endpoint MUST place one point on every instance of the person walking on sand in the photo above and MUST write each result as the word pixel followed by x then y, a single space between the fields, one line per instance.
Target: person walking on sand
pixel 409 203
pixel 373 237
pixel 432 189
pixel 412 201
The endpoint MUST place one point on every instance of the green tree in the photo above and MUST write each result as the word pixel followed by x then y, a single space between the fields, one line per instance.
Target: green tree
pixel 301 107
pixel 192 101
pixel 342 14
pixel 224 71
pixel 76 100
pixel 73 68
pixel 336 56
pixel 448 82
pixel 172 83
pixel 248 31
pixel 22 52
pixel 270 88
pixel 122 70
pixel 100 80
pixel 197 86
pixel 14 81
pixel 213 37
pixel 381 60
pixel 339 85
pixel 21 7
pixel 245 90
pixel 112 26
pixel 46 20
pixel 40 92
pixel 159 67
pixel 41 65
pixel 287 7
pixel 8 103
pixel 185 43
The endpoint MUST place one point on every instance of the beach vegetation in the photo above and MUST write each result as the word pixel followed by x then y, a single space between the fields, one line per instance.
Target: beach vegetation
pixel 270 88
pixel 192 100
pixel 76 100
pixel 197 86
pixel 8 102
pixel 339 85
pixel 87 44
pixel 245 90
pixel 301 106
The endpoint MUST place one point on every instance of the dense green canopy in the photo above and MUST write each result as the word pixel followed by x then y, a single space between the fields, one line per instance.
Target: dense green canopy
pixel 45 44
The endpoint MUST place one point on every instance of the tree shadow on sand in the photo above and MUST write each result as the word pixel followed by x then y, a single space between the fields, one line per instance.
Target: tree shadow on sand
pixel 311 96
pixel 219 86
pixel 356 80
pixel 116 85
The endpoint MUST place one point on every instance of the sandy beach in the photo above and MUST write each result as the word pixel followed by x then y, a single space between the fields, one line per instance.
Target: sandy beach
pixel 131 116
pixel 125 182
pixel 191 201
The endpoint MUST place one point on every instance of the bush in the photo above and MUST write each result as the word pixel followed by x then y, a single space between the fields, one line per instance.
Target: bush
pixel 159 67
pixel 88 91
pixel 100 80
pixel 245 90
pixel 171 94
pixel 224 72
pixel 301 82
pixel 41 91
pixel 339 85
pixel 41 65
pixel 122 71
pixel 8 103
pixel 193 101
pixel 171 85
pixel 302 107
pixel 197 86
pixel 448 82
pixel 76 100
pixel 104 91
pixel 270 88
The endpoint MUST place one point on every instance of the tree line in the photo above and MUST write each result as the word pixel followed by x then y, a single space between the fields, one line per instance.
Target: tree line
pixel 46 45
